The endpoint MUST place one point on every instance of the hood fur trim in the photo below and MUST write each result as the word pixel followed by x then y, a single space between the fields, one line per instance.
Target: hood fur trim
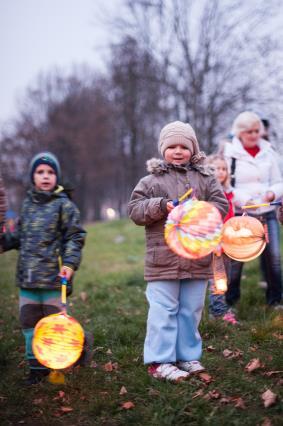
pixel 157 166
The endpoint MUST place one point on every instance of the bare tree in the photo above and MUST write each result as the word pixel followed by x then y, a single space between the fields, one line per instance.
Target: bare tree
pixel 137 96
pixel 211 54
pixel 71 116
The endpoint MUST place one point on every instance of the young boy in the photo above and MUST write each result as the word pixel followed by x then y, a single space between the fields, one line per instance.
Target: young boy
pixel 49 235
pixel 176 286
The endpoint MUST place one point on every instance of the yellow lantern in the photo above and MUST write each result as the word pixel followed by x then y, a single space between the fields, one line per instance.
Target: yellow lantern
pixel 58 341
pixel 243 238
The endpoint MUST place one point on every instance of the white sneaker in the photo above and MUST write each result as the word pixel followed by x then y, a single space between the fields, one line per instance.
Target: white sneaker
pixel 168 372
pixel 192 367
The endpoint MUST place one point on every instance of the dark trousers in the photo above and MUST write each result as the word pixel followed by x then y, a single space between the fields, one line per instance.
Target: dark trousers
pixel 271 260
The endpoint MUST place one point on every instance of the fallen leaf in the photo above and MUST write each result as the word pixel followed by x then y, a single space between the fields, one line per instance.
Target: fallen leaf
pixel 198 393
pixel 37 401
pixel 239 403
pixel 272 373
pixel 128 405
pixel 254 364
pixel 66 409
pixel 205 377
pixel 109 352
pixel 269 398
pixel 225 400
pixel 227 353
pixel 278 336
pixel 214 394
pixel 210 348
pixel 153 392
pixel 237 353
pixel 98 349
pixel 83 295
pixel 266 422
pixel 123 390
pixel 108 366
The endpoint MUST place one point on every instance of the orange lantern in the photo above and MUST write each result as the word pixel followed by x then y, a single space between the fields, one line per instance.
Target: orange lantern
pixel 243 238
pixel 58 339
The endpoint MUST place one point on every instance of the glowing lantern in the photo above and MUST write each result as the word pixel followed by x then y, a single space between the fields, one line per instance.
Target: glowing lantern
pixel 243 238
pixel 219 275
pixel 193 229
pixel 58 341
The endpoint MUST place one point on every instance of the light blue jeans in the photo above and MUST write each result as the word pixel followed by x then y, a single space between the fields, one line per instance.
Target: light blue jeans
pixel 175 309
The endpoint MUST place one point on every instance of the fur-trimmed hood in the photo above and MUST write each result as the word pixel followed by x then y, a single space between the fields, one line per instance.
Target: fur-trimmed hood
pixel 157 166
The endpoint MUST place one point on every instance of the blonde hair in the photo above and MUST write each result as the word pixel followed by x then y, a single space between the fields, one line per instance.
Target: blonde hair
pixel 245 121
pixel 211 159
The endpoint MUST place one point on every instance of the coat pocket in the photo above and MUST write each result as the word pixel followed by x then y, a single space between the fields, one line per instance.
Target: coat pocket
pixel 160 256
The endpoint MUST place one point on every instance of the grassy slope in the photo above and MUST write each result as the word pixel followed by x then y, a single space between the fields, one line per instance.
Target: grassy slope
pixel 111 279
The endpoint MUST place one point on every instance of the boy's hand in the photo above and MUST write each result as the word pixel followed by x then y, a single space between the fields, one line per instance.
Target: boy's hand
pixel 66 272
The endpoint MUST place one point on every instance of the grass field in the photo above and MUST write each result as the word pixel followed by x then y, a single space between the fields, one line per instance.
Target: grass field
pixel 115 390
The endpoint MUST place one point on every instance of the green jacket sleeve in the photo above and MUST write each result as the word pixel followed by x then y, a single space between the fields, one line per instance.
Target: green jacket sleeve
pixel 73 235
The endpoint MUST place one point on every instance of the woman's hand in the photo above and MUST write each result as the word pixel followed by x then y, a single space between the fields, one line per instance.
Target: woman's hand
pixel 269 196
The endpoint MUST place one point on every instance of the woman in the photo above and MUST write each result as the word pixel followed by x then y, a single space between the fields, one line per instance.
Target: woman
pixel 256 178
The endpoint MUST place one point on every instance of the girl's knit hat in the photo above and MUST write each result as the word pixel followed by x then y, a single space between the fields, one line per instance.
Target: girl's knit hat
pixel 45 158
pixel 176 133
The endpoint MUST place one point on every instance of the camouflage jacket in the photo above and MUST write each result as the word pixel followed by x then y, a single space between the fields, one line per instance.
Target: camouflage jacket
pixel 48 229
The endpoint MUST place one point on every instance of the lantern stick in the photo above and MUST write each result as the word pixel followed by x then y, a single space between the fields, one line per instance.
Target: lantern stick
pixel 256 206
pixel 177 201
pixel 64 292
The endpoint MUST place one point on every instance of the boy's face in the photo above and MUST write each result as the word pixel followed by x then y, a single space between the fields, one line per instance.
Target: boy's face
pixel 44 178
pixel 177 154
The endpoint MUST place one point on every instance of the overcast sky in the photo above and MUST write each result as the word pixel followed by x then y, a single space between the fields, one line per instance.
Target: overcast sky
pixel 36 35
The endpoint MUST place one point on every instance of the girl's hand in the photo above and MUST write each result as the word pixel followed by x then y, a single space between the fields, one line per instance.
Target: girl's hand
pixel 66 272
pixel 269 196
pixel 169 206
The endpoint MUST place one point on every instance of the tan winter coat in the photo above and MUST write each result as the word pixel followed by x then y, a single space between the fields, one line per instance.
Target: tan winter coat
pixel 147 207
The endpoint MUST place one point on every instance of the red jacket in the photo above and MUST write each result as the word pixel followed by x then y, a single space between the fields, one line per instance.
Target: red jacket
pixel 231 213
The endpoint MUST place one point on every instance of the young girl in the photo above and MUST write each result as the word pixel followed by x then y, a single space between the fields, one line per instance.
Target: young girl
pixel 176 286
pixel 218 307
pixel 49 228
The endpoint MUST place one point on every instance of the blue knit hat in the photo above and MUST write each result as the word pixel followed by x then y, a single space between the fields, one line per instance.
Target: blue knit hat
pixel 45 158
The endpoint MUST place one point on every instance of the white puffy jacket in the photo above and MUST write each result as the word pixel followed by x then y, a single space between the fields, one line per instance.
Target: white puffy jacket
pixel 254 176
